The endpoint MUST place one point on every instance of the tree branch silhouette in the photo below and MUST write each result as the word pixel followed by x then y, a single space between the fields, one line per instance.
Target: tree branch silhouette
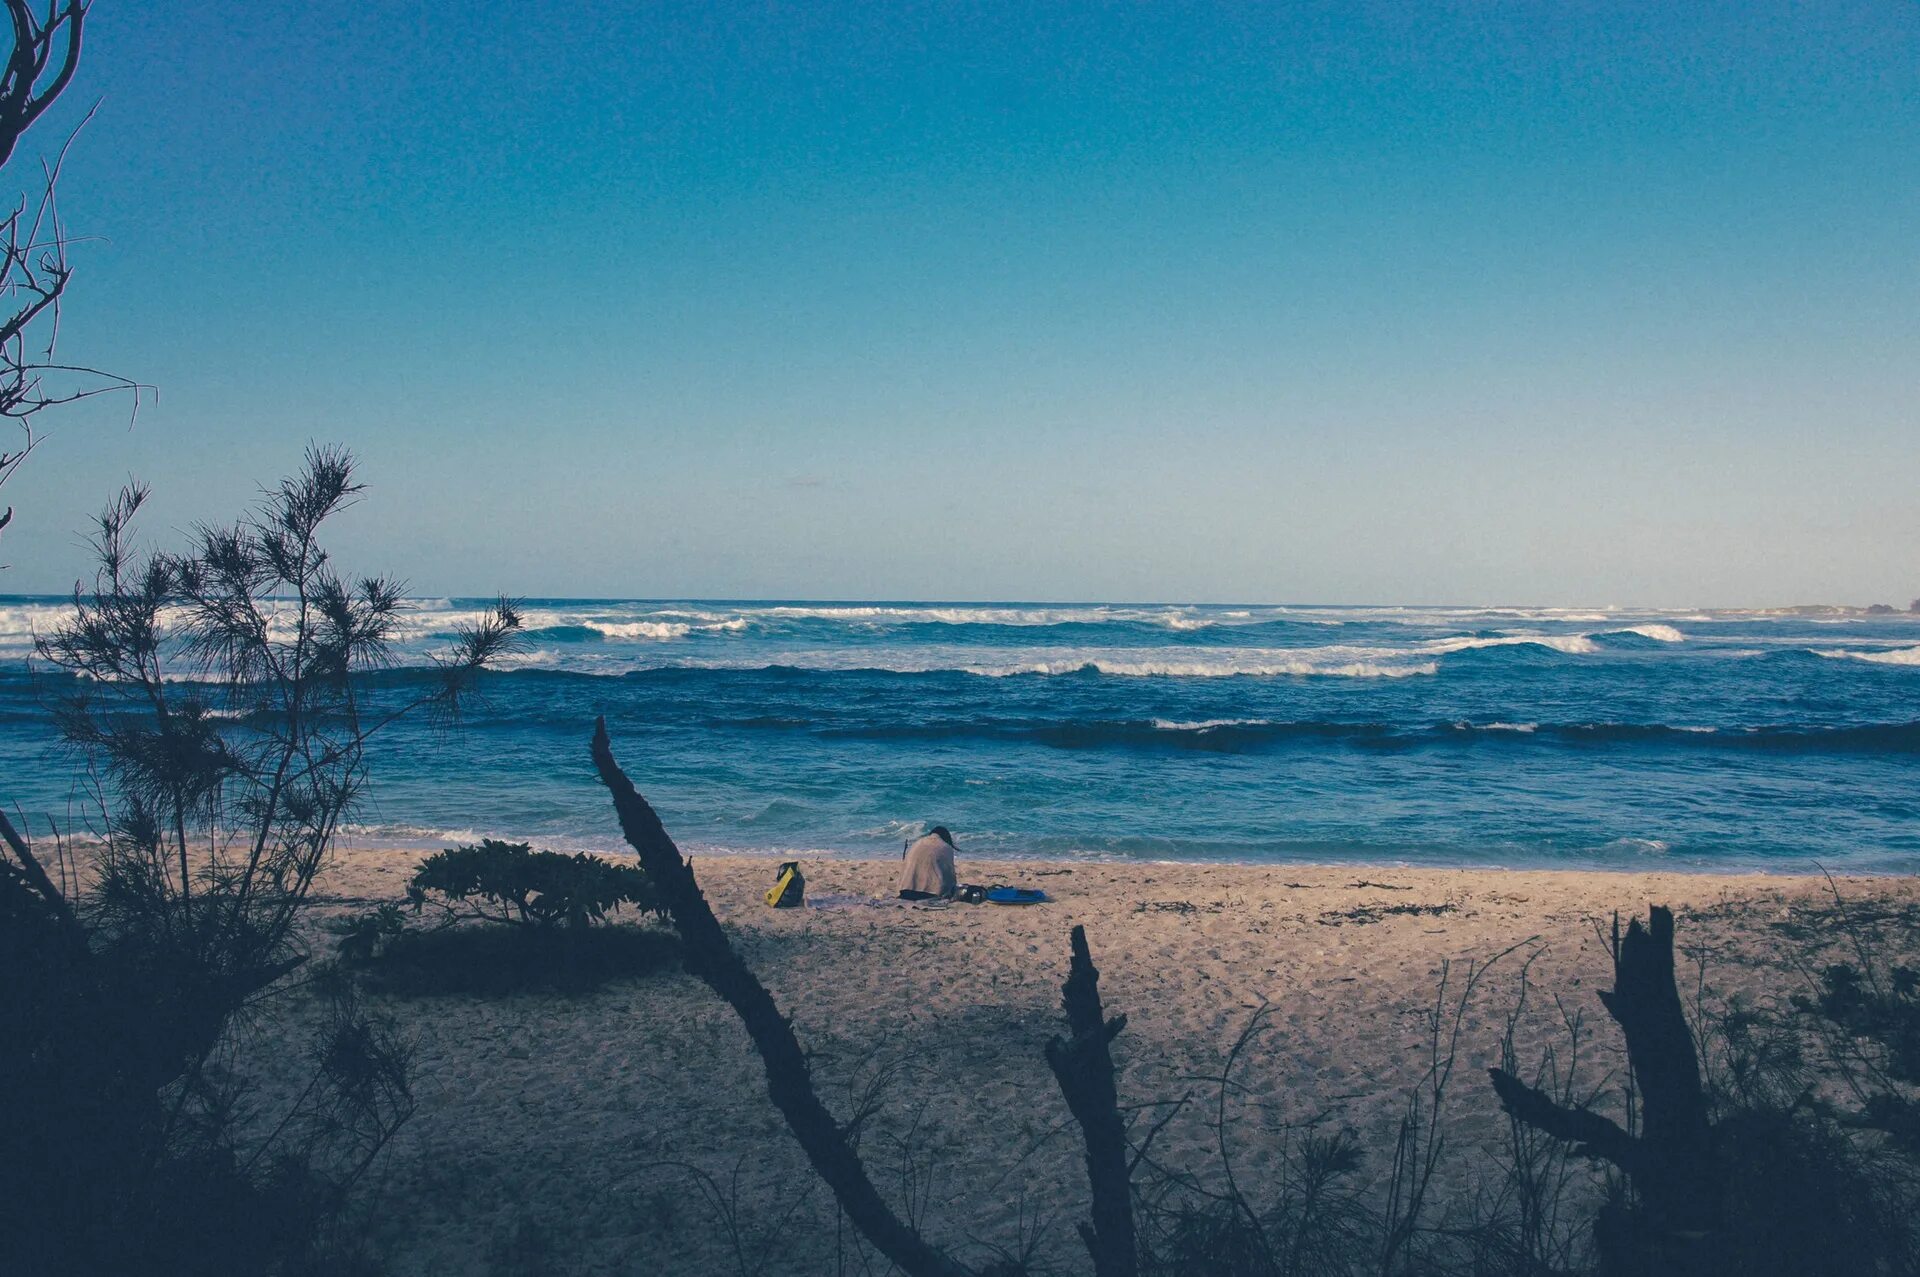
pixel 709 955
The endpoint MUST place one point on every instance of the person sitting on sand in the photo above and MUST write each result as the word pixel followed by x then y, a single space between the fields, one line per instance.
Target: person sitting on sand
pixel 927 872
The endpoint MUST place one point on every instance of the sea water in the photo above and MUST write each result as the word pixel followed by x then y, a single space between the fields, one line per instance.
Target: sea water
pixel 1468 736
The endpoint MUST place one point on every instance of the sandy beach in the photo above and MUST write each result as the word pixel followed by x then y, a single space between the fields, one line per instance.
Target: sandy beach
pixel 563 1133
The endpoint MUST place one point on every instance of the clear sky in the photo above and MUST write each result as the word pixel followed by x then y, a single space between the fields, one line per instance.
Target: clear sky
pixel 1470 302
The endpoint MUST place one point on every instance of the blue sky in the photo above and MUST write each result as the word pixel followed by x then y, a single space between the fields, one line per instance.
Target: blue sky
pixel 1409 302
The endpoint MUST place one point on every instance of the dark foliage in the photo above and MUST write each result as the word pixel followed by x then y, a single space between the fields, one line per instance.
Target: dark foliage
pixel 121 1153
pixel 1316 1223
pixel 1803 1195
pixel 492 961
pixel 1738 1156
pixel 1884 1011
pixel 514 884
pixel 127 1137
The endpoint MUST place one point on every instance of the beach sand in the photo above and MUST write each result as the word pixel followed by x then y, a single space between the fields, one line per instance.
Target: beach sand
pixel 554 1134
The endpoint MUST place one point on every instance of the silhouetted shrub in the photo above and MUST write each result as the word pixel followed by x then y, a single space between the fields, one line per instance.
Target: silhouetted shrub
pixel 366 935
pixel 1880 1007
pixel 1804 1194
pixel 512 883
pixel 1318 1223
pixel 128 1141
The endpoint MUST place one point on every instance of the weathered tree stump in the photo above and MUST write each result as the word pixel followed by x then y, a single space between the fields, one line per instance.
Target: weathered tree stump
pixel 1669 1162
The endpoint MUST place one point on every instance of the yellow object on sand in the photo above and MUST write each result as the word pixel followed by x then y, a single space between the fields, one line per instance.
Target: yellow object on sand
pixel 789 889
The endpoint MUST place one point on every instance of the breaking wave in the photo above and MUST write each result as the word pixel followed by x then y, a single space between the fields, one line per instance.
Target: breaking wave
pixel 1896 656
pixel 1571 644
pixel 1658 633
pixel 643 629
pixel 1442 735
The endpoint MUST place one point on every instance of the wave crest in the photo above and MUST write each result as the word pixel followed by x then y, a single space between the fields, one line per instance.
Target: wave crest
pixel 1894 656
pixel 643 629
pixel 1571 644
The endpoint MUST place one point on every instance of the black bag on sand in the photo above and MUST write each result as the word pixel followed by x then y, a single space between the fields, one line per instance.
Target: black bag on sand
pixel 789 888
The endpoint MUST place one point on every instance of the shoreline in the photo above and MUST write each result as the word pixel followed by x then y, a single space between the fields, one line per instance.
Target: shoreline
pixel 1652 862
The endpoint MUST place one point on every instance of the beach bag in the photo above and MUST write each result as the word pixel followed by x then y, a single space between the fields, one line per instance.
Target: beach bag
pixel 789 889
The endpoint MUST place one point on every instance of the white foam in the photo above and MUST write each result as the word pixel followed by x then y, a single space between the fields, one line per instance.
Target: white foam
pixel 24 620
pixel 697 621
pixel 893 829
pixel 1572 644
pixel 1207 725
pixel 1243 664
pixel 1640 846
pixel 902 615
pixel 664 625
pixel 1660 633
pixel 1895 656
pixel 1337 661
pixel 660 630
pixel 1177 618
pixel 538 658
pixel 421 624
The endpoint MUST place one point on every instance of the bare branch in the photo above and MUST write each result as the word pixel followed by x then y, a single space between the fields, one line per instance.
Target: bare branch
pixel 34 271
pixel 710 956
pixel 1598 1135
pixel 36 875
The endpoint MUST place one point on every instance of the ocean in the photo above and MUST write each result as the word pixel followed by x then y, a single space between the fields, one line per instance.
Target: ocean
pixel 1708 740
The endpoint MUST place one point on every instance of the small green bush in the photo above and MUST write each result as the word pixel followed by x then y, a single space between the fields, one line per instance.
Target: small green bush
pixel 513 883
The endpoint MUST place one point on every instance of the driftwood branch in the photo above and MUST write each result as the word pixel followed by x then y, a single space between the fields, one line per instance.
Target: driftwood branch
pixel 1596 1134
pixel 36 875
pixel 1083 1065
pixel 709 955
pixel 1670 1162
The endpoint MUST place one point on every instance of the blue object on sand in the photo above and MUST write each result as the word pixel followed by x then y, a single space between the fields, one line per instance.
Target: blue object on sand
pixel 1015 896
